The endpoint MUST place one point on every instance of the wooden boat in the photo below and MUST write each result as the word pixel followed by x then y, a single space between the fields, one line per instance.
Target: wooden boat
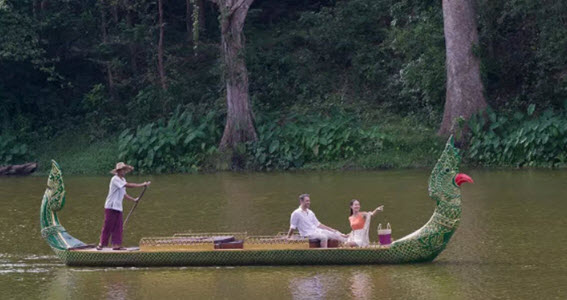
pixel 194 249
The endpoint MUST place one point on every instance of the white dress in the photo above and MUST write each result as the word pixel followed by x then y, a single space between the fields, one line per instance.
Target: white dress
pixel 360 236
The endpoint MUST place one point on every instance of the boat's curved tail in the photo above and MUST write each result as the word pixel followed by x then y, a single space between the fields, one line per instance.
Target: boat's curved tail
pixel 53 201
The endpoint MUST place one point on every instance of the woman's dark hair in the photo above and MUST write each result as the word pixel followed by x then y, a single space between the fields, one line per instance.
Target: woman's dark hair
pixel 351 203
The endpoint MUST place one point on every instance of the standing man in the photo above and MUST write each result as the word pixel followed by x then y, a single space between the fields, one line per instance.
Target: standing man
pixel 113 206
pixel 304 220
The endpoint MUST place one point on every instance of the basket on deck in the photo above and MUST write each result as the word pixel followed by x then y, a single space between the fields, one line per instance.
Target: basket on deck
pixel 384 235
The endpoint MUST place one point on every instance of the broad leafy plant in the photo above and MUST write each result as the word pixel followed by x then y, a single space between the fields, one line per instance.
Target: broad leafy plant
pixel 12 151
pixel 524 139
pixel 179 144
pixel 292 142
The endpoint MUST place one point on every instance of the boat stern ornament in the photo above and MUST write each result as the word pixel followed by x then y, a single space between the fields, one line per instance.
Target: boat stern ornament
pixel 53 201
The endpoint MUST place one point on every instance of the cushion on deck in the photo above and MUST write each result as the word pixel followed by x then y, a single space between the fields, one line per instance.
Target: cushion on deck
pixel 237 244
pixel 316 243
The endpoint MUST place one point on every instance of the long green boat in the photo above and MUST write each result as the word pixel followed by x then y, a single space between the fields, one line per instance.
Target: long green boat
pixel 194 249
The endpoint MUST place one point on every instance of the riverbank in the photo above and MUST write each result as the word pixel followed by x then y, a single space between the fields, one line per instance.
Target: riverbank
pixel 188 143
pixel 400 143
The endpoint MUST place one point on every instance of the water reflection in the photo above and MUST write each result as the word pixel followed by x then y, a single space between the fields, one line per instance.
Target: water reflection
pixel 115 286
pixel 429 282
pixel 311 287
pixel 361 285
pixel 69 283
pixel 426 281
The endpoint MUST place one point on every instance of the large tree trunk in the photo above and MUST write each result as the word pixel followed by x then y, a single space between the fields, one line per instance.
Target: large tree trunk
pixel 239 126
pixel 464 87
pixel 161 68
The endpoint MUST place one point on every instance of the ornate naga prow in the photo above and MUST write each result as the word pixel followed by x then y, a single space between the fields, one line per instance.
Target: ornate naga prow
pixel 53 201
pixel 444 187
pixel 445 179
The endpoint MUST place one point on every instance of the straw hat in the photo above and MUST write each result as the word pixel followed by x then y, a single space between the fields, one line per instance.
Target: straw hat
pixel 120 166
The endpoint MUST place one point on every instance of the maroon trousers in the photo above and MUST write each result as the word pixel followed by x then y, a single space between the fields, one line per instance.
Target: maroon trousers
pixel 112 227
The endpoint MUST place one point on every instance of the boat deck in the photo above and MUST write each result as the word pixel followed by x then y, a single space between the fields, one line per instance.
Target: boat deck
pixel 185 248
pixel 226 241
pixel 108 249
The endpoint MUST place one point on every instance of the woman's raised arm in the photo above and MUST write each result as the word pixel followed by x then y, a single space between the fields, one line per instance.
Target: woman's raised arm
pixel 379 208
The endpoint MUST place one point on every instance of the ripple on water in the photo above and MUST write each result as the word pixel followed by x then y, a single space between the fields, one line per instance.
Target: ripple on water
pixel 33 256
pixel 17 264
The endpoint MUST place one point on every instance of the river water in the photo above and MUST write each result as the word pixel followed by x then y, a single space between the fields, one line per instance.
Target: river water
pixel 511 244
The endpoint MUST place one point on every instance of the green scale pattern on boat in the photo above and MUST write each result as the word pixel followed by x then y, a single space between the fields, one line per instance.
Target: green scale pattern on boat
pixel 239 257
pixel 423 245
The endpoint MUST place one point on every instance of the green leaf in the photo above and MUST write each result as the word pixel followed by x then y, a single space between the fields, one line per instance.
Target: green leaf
pixel 531 109
pixel 274 146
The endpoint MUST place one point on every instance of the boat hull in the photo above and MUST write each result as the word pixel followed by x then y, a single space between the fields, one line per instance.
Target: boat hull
pixel 241 257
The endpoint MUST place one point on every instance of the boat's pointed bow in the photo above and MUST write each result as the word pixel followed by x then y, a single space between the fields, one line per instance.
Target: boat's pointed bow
pixel 444 187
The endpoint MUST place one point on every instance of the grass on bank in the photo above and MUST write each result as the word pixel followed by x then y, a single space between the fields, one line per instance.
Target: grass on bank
pixel 408 143
pixel 77 154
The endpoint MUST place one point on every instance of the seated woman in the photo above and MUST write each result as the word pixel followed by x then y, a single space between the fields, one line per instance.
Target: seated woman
pixel 360 222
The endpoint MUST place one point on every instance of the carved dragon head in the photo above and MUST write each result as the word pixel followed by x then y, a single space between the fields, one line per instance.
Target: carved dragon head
pixel 445 179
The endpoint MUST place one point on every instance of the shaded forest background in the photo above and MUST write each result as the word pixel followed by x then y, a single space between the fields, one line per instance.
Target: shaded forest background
pixel 333 84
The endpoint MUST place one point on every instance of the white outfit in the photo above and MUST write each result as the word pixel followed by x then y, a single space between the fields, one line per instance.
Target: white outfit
pixel 360 236
pixel 306 222
pixel 325 235
pixel 116 192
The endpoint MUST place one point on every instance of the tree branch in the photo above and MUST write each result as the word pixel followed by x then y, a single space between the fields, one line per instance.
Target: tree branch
pixel 239 4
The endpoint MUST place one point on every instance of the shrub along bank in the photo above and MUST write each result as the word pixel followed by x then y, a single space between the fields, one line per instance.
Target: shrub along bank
pixel 522 139
pixel 12 151
pixel 188 142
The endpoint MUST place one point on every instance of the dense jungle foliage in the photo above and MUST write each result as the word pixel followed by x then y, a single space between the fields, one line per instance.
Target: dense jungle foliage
pixel 333 84
pixel 520 139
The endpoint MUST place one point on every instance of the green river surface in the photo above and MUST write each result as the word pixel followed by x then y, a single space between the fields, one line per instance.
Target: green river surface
pixel 511 244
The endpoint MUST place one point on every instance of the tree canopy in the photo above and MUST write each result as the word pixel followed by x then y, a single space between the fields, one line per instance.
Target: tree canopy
pixel 96 64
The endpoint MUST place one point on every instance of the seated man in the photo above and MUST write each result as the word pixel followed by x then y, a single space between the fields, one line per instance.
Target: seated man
pixel 304 220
